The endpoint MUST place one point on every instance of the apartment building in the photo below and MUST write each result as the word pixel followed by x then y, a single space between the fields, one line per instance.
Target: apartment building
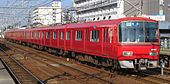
pixel 47 15
pixel 94 10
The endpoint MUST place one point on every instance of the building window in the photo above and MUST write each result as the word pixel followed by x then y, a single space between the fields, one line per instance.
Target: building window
pixel 104 18
pixel 54 13
pixel 109 17
pixel 68 35
pixel 62 35
pixel 79 35
pixel 54 35
pixel 93 19
pixel 94 36
pixel 48 35
pixel 168 5
pixel 98 18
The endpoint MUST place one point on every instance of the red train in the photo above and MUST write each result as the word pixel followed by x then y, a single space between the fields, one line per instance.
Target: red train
pixel 131 42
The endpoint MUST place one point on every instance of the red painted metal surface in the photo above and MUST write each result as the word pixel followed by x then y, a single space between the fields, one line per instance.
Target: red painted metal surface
pixel 107 49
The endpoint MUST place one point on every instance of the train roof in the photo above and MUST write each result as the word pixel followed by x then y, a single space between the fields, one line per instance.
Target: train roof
pixel 89 24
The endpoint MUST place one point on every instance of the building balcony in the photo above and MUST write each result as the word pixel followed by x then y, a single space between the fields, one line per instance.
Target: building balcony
pixel 96 5
pixel 78 1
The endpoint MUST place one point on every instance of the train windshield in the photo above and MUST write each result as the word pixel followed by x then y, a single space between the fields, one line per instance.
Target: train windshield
pixel 138 31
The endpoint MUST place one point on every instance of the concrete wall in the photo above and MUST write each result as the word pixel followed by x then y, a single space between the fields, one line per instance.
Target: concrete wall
pixel 166 9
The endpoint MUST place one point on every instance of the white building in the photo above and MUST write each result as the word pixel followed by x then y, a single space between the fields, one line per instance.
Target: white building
pixel 47 15
pixel 94 10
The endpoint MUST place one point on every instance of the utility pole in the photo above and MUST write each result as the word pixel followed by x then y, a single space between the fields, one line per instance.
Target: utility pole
pixel 141 12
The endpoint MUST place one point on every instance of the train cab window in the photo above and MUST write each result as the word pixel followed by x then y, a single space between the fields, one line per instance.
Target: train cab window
pixel 68 35
pixel 94 36
pixel 62 35
pixel 79 35
pixel 54 35
pixel 138 31
pixel 48 35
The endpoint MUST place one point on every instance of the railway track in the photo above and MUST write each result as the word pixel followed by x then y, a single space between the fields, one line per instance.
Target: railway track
pixel 156 79
pixel 59 65
pixel 17 71
pixel 79 75
pixel 15 79
pixel 167 71
pixel 84 73
pixel 151 77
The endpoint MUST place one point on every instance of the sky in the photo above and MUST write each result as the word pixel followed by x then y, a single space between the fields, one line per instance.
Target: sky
pixel 17 3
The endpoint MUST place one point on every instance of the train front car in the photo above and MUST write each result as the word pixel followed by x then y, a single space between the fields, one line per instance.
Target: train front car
pixel 138 44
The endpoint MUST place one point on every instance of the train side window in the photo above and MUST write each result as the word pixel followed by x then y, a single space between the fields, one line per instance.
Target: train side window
pixel 86 36
pixel 105 35
pixel 16 34
pixel 94 36
pixel 111 35
pixel 35 35
pixel 62 35
pixel 68 35
pixel 39 35
pixel 48 35
pixel 79 35
pixel 23 35
pixel 32 34
pixel 54 35
pixel 42 35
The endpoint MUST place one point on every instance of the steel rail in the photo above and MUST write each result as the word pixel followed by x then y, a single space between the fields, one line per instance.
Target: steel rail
pixel 16 80
pixel 39 81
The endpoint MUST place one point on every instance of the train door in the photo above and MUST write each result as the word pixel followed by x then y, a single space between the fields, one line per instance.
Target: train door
pixel 51 38
pixel 54 38
pixel 61 38
pixel 86 39
pixel 47 38
pixel 107 41
pixel 42 38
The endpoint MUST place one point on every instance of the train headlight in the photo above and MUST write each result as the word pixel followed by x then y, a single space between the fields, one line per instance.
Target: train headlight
pixel 153 53
pixel 127 53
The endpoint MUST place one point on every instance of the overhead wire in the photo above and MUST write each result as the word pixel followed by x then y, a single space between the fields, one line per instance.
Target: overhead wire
pixel 31 7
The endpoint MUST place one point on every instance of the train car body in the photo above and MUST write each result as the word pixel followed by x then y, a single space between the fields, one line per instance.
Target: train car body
pixel 131 42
